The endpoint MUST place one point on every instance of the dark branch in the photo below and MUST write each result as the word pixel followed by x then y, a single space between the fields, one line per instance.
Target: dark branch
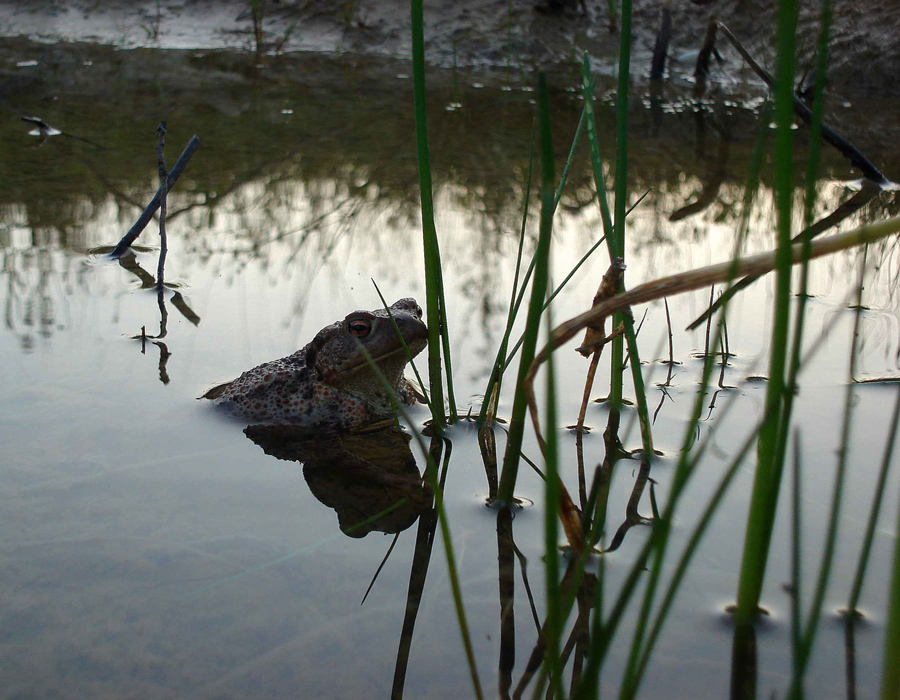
pixel 829 135
pixel 145 218
pixel 661 47
pixel 163 195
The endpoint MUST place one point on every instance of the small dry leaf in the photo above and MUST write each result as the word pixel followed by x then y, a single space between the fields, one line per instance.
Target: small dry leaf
pixel 595 334
pixel 570 517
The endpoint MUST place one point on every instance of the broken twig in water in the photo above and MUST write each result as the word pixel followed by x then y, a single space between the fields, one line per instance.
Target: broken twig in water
pixel 163 194
pixel 129 262
pixel 701 69
pixel 846 149
pixel 148 213
pixel 164 356
pixel 661 47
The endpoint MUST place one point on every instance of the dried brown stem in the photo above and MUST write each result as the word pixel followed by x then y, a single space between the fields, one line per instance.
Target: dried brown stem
pixel 579 426
pixel 867 193
pixel 697 279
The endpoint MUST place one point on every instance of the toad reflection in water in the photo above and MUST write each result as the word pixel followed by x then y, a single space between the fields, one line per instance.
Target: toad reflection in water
pixel 329 382
pixel 370 480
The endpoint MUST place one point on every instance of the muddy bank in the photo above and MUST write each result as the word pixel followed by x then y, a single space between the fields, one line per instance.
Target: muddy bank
pixel 341 127
pixel 518 34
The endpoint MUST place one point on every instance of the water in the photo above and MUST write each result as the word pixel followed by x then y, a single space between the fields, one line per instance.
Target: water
pixel 149 549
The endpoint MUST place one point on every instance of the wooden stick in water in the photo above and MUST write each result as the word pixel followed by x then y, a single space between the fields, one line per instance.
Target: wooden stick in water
pixel 148 213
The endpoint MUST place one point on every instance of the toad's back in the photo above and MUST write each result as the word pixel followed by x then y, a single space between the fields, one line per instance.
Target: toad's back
pixel 330 382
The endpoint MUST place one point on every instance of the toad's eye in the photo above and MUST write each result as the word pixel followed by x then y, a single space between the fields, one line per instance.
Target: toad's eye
pixel 359 328
pixel 418 311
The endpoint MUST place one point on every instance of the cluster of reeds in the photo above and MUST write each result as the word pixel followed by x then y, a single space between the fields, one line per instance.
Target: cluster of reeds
pixel 576 582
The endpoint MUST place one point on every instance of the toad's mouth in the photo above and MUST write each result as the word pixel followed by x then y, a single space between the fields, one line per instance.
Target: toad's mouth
pixel 385 361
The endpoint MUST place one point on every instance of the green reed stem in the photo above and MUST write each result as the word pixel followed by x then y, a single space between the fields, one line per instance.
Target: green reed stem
pixel 661 531
pixel 638 662
pixel 766 483
pixel 596 160
pixel 491 393
pixel 445 342
pixel 616 248
pixel 878 497
pixel 613 13
pixel 405 346
pixel 687 555
pixel 815 612
pixel 696 457
pixel 656 544
pixel 434 288
pixel 556 291
pixel 617 241
pixel 799 651
pixel 579 130
pixel 796 559
pixel 812 171
pixel 444 523
pixel 553 628
pixel 890 665
pixel 603 632
pixel 594 143
pixel 503 358
pixel 802 643
pixel 538 293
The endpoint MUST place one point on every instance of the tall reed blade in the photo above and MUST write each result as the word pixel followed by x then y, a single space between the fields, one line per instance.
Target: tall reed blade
pixel 637 666
pixel 551 550
pixel 434 288
pixel 796 558
pixel 890 665
pixel 809 633
pixel 499 368
pixel 431 477
pixel 766 484
pixel 866 549
pixel 491 393
pixel 617 243
pixel 536 304
pixel 616 248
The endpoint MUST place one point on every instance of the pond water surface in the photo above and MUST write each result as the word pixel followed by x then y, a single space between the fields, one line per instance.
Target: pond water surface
pixel 150 549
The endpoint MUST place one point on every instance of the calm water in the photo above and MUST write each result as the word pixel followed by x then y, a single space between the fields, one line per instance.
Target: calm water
pixel 150 549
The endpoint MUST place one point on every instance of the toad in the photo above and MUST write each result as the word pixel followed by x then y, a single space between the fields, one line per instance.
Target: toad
pixel 329 383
